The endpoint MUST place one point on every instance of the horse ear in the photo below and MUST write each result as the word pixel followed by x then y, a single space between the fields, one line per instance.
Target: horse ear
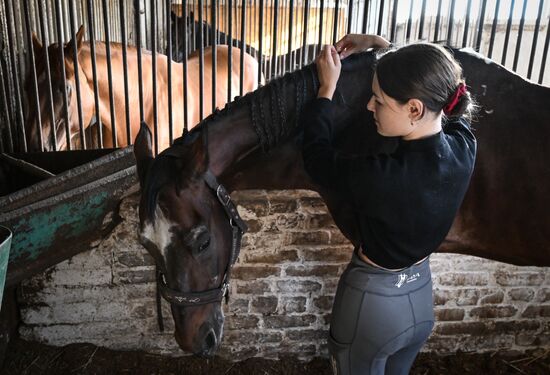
pixel 200 156
pixel 36 44
pixel 143 151
pixel 69 45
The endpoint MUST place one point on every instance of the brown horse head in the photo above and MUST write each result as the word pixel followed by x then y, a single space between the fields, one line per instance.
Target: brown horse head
pixel 42 112
pixel 186 230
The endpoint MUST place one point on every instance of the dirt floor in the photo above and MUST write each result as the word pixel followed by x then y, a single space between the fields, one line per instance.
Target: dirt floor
pixel 25 357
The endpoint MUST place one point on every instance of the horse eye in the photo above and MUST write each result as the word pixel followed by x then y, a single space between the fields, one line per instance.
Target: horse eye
pixel 69 90
pixel 204 246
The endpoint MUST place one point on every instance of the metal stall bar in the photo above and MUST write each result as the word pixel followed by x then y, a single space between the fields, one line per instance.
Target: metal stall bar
pixel 260 37
pixel 393 20
pixel 169 68
pixel 437 21
pixel 350 15
pixel 321 16
pixel 535 38
pixel 184 65
pixel 125 69
pixel 94 73
pixel 154 71
pixel 467 23
pixel 137 22
pixel 243 44
pixel 451 22
pixel 290 36
pixel 229 41
pixel 380 18
pixel 480 25
pixel 213 39
pixel 493 30
pixel 32 67
pixel 304 34
pixel 45 44
pixel 72 14
pixel 545 52
pixel 201 63
pixel 5 108
pixel 520 35
pixel 507 37
pixel 409 23
pixel 275 13
pixel 422 17
pixel 64 87
pixel 336 15
pixel 366 4
pixel 109 73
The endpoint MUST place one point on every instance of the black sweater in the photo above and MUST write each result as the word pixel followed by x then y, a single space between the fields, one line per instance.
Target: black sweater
pixel 405 202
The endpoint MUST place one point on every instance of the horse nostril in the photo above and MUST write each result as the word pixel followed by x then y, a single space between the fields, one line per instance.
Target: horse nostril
pixel 210 340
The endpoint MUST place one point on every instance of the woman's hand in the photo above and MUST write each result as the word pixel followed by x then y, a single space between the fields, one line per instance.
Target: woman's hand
pixel 353 43
pixel 328 70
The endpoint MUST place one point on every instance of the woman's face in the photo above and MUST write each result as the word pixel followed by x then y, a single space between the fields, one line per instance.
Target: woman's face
pixel 391 117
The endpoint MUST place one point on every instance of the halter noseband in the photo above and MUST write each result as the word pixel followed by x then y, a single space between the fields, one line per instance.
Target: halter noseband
pixel 238 227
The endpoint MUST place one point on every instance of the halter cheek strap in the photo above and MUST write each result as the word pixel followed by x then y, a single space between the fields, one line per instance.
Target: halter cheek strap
pixel 238 228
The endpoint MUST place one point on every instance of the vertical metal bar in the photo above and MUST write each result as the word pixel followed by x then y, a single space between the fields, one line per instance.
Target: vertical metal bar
pixel 62 59
pixel 243 44
pixel 507 37
pixel 6 106
pixel 201 62
pixel 520 35
pixel 185 15
pixel 304 34
pixel 46 42
pixel 544 53
pixel 137 22
pixel 261 36
pixel 109 73
pixel 94 72
pixel 467 24
pixel 493 29
pixel 290 36
pixel 422 17
pixel 321 12
pixel 451 22
pixel 350 15
pixel 275 12
pixel 229 9
pixel 153 17
pixel 125 70
pixel 18 103
pixel 380 18
pixel 169 67
pixel 535 38
pixel 437 21
pixel 481 24
pixel 365 16
pixel 394 20
pixel 213 29
pixel 336 16
pixel 73 15
pixel 409 22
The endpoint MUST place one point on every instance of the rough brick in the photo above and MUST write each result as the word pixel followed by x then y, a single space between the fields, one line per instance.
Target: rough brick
pixel 293 304
pixel 136 276
pixel 280 205
pixel 536 311
pixel 328 254
pixel 543 295
pixel 234 322
pixel 307 334
pixel 317 237
pixel 252 287
pixel 258 207
pixel 449 314
pixel 264 305
pixel 246 337
pixel 313 204
pixel 290 221
pixel 521 294
pixel 322 270
pixel 464 279
pixel 507 278
pixel 238 305
pixel 461 297
pixel 493 298
pixel 297 286
pixel 470 328
pixel 491 312
pixel 254 225
pixel 287 321
pixel 319 221
pixel 135 259
pixel 276 257
pixel 337 238
pixel 254 272
pixel 324 303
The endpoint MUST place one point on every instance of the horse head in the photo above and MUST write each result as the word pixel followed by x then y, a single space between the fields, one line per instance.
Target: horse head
pixel 60 84
pixel 186 229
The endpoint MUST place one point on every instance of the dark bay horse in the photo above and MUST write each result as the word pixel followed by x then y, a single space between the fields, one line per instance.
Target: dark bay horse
pixel 184 225
pixel 87 91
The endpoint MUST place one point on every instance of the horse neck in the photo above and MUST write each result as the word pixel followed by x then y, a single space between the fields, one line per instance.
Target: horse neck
pixel 263 119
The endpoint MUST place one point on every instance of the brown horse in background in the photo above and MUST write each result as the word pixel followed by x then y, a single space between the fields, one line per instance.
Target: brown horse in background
pixel 68 83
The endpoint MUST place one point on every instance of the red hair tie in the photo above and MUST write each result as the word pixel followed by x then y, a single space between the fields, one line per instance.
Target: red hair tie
pixel 461 90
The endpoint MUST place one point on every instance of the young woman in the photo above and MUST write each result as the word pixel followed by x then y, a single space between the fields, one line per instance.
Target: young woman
pixel 406 202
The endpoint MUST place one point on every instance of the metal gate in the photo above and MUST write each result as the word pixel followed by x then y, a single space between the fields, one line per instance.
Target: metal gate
pixel 281 34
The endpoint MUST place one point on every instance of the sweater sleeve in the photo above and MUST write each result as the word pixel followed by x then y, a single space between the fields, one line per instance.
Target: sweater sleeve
pixel 332 169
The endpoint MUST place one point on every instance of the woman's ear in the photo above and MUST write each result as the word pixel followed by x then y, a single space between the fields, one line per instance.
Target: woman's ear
pixel 416 109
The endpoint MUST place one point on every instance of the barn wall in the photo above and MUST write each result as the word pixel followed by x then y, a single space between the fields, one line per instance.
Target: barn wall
pixel 282 291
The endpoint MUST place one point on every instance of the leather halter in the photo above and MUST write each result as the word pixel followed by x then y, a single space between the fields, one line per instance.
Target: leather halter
pixel 238 228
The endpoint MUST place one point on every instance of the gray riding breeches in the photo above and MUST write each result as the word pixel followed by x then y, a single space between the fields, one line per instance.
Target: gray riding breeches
pixel 380 318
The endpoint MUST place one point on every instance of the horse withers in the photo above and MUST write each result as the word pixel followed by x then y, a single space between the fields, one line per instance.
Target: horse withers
pixel 60 84
pixel 184 226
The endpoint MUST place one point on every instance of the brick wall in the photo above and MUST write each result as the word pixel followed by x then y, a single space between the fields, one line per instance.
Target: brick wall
pixel 282 290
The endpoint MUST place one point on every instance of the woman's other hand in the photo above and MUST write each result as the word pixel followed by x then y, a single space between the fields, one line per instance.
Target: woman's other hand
pixel 328 70
pixel 353 43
